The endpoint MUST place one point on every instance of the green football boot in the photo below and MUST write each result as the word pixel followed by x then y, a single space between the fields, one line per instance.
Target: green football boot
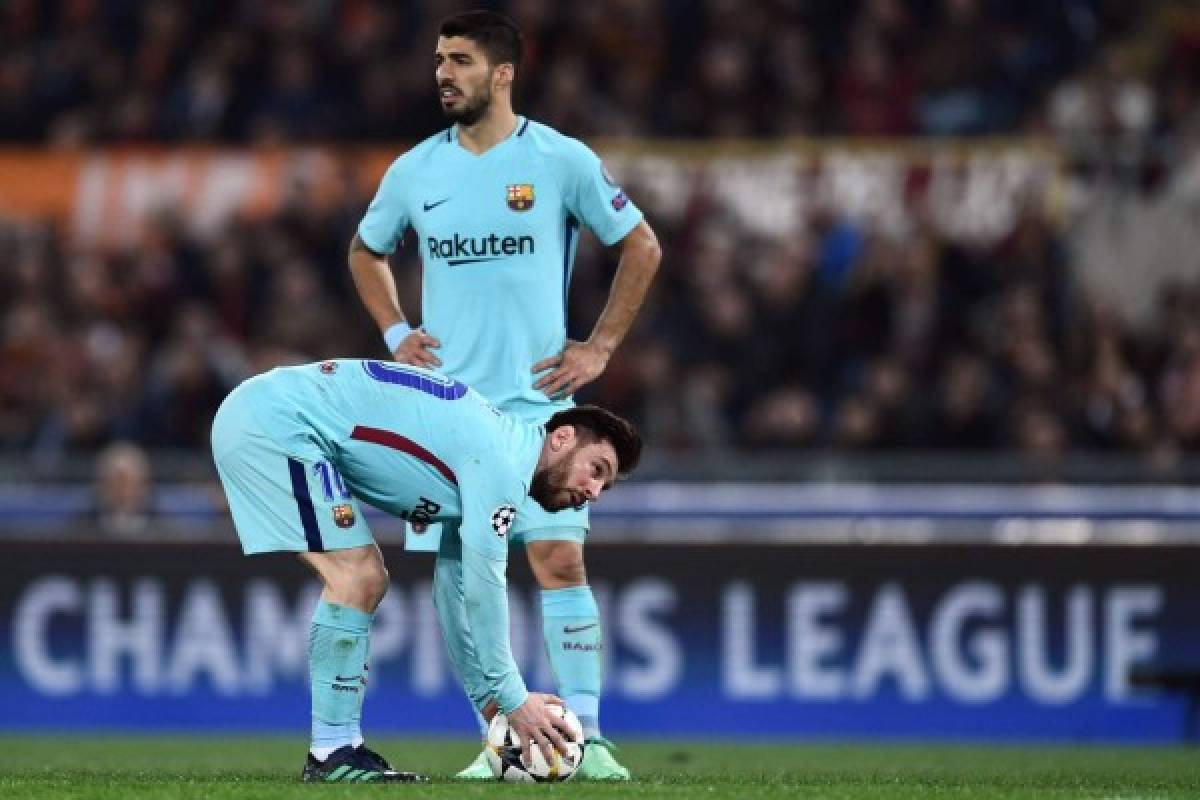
pixel 599 763
pixel 477 770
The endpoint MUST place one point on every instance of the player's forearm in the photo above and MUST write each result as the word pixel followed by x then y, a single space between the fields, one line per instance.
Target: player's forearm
pixel 486 605
pixel 375 284
pixel 640 257
pixel 448 600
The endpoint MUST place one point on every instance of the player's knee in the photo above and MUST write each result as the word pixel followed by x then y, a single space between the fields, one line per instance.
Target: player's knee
pixel 558 565
pixel 357 579
pixel 569 570
pixel 373 581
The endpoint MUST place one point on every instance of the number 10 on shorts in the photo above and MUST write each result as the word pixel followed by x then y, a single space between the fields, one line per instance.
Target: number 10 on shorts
pixel 332 485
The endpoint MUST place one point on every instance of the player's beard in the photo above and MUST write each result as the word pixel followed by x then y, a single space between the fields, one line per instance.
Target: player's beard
pixel 471 112
pixel 548 487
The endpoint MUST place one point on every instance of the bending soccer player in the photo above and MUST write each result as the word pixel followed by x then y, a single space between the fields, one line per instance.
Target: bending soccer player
pixel 497 202
pixel 296 450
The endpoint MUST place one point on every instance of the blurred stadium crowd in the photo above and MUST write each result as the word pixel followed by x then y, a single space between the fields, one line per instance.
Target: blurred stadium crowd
pixel 84 71
pixel 839 337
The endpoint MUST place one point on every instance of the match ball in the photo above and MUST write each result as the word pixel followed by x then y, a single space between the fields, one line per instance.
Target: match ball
pixel 504 752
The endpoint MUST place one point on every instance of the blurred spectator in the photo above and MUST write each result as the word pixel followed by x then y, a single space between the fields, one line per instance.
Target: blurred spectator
pixel 1104 114
pixel 785 418
pixel 965 416
pixel 792 316
pixel 188 378
pixel 123 493
pixel 1038 433
pixel 1181 391
pixel 875 90
pixel 27 346
pixel 960 81
pixel 856 423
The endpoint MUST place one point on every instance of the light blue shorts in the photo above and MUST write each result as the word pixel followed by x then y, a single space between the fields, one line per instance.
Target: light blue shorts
pixel 536 524
pixel 281 501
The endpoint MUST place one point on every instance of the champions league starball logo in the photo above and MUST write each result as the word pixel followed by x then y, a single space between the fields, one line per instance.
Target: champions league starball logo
pixel 502 519
pixel 620 199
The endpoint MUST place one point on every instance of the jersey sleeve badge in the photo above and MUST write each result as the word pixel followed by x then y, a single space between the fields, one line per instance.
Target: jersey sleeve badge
pixel 502 519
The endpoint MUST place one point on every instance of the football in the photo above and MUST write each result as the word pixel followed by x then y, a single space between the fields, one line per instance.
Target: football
pixel 504 753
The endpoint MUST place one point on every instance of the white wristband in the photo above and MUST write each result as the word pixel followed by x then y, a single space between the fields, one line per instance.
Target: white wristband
pixel 395 334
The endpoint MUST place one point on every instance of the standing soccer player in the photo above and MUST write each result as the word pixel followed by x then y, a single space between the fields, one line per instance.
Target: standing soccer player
pixel 496 202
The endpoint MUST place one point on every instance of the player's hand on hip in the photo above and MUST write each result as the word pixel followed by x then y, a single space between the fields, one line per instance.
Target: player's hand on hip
pixel 576 366
pixel 416 350
pixel 535 725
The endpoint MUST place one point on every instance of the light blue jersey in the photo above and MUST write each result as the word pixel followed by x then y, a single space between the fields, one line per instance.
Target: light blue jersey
pixel 408 441
pixel 497 235
pixel 298 447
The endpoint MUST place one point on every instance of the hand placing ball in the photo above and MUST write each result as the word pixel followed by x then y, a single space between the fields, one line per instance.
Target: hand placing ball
pixel 504 751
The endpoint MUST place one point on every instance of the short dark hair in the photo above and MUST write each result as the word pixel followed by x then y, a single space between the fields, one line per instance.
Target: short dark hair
pixel 496 34
pixel 598 424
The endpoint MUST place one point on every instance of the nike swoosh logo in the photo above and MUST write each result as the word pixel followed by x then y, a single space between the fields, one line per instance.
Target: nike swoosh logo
pixel 570 629
pixel 431 206
pixel 459 261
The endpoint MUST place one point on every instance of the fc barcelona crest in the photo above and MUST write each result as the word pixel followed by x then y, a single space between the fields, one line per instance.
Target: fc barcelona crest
pixel 343 515
pixel 520 196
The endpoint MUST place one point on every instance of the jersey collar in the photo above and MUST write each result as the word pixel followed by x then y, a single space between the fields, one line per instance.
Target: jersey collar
pixel 518 131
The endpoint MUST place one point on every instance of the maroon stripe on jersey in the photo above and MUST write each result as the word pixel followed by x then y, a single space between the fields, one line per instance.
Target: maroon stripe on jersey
pixel 405 445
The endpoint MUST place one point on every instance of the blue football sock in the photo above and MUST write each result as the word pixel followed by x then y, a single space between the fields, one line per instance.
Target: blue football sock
pixel 574 642
pixel 337 656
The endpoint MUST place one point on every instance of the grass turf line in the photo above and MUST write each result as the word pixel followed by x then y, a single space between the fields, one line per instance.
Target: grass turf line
pixel 265 768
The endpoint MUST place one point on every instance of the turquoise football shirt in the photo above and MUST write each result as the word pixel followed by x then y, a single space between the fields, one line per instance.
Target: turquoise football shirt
pixel 497 235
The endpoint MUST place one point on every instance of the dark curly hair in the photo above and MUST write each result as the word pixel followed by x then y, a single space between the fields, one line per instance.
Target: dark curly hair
pixel 595 424
pixel 497 35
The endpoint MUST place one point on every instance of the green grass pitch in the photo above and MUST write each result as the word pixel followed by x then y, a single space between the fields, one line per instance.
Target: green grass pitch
pixel 264 768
